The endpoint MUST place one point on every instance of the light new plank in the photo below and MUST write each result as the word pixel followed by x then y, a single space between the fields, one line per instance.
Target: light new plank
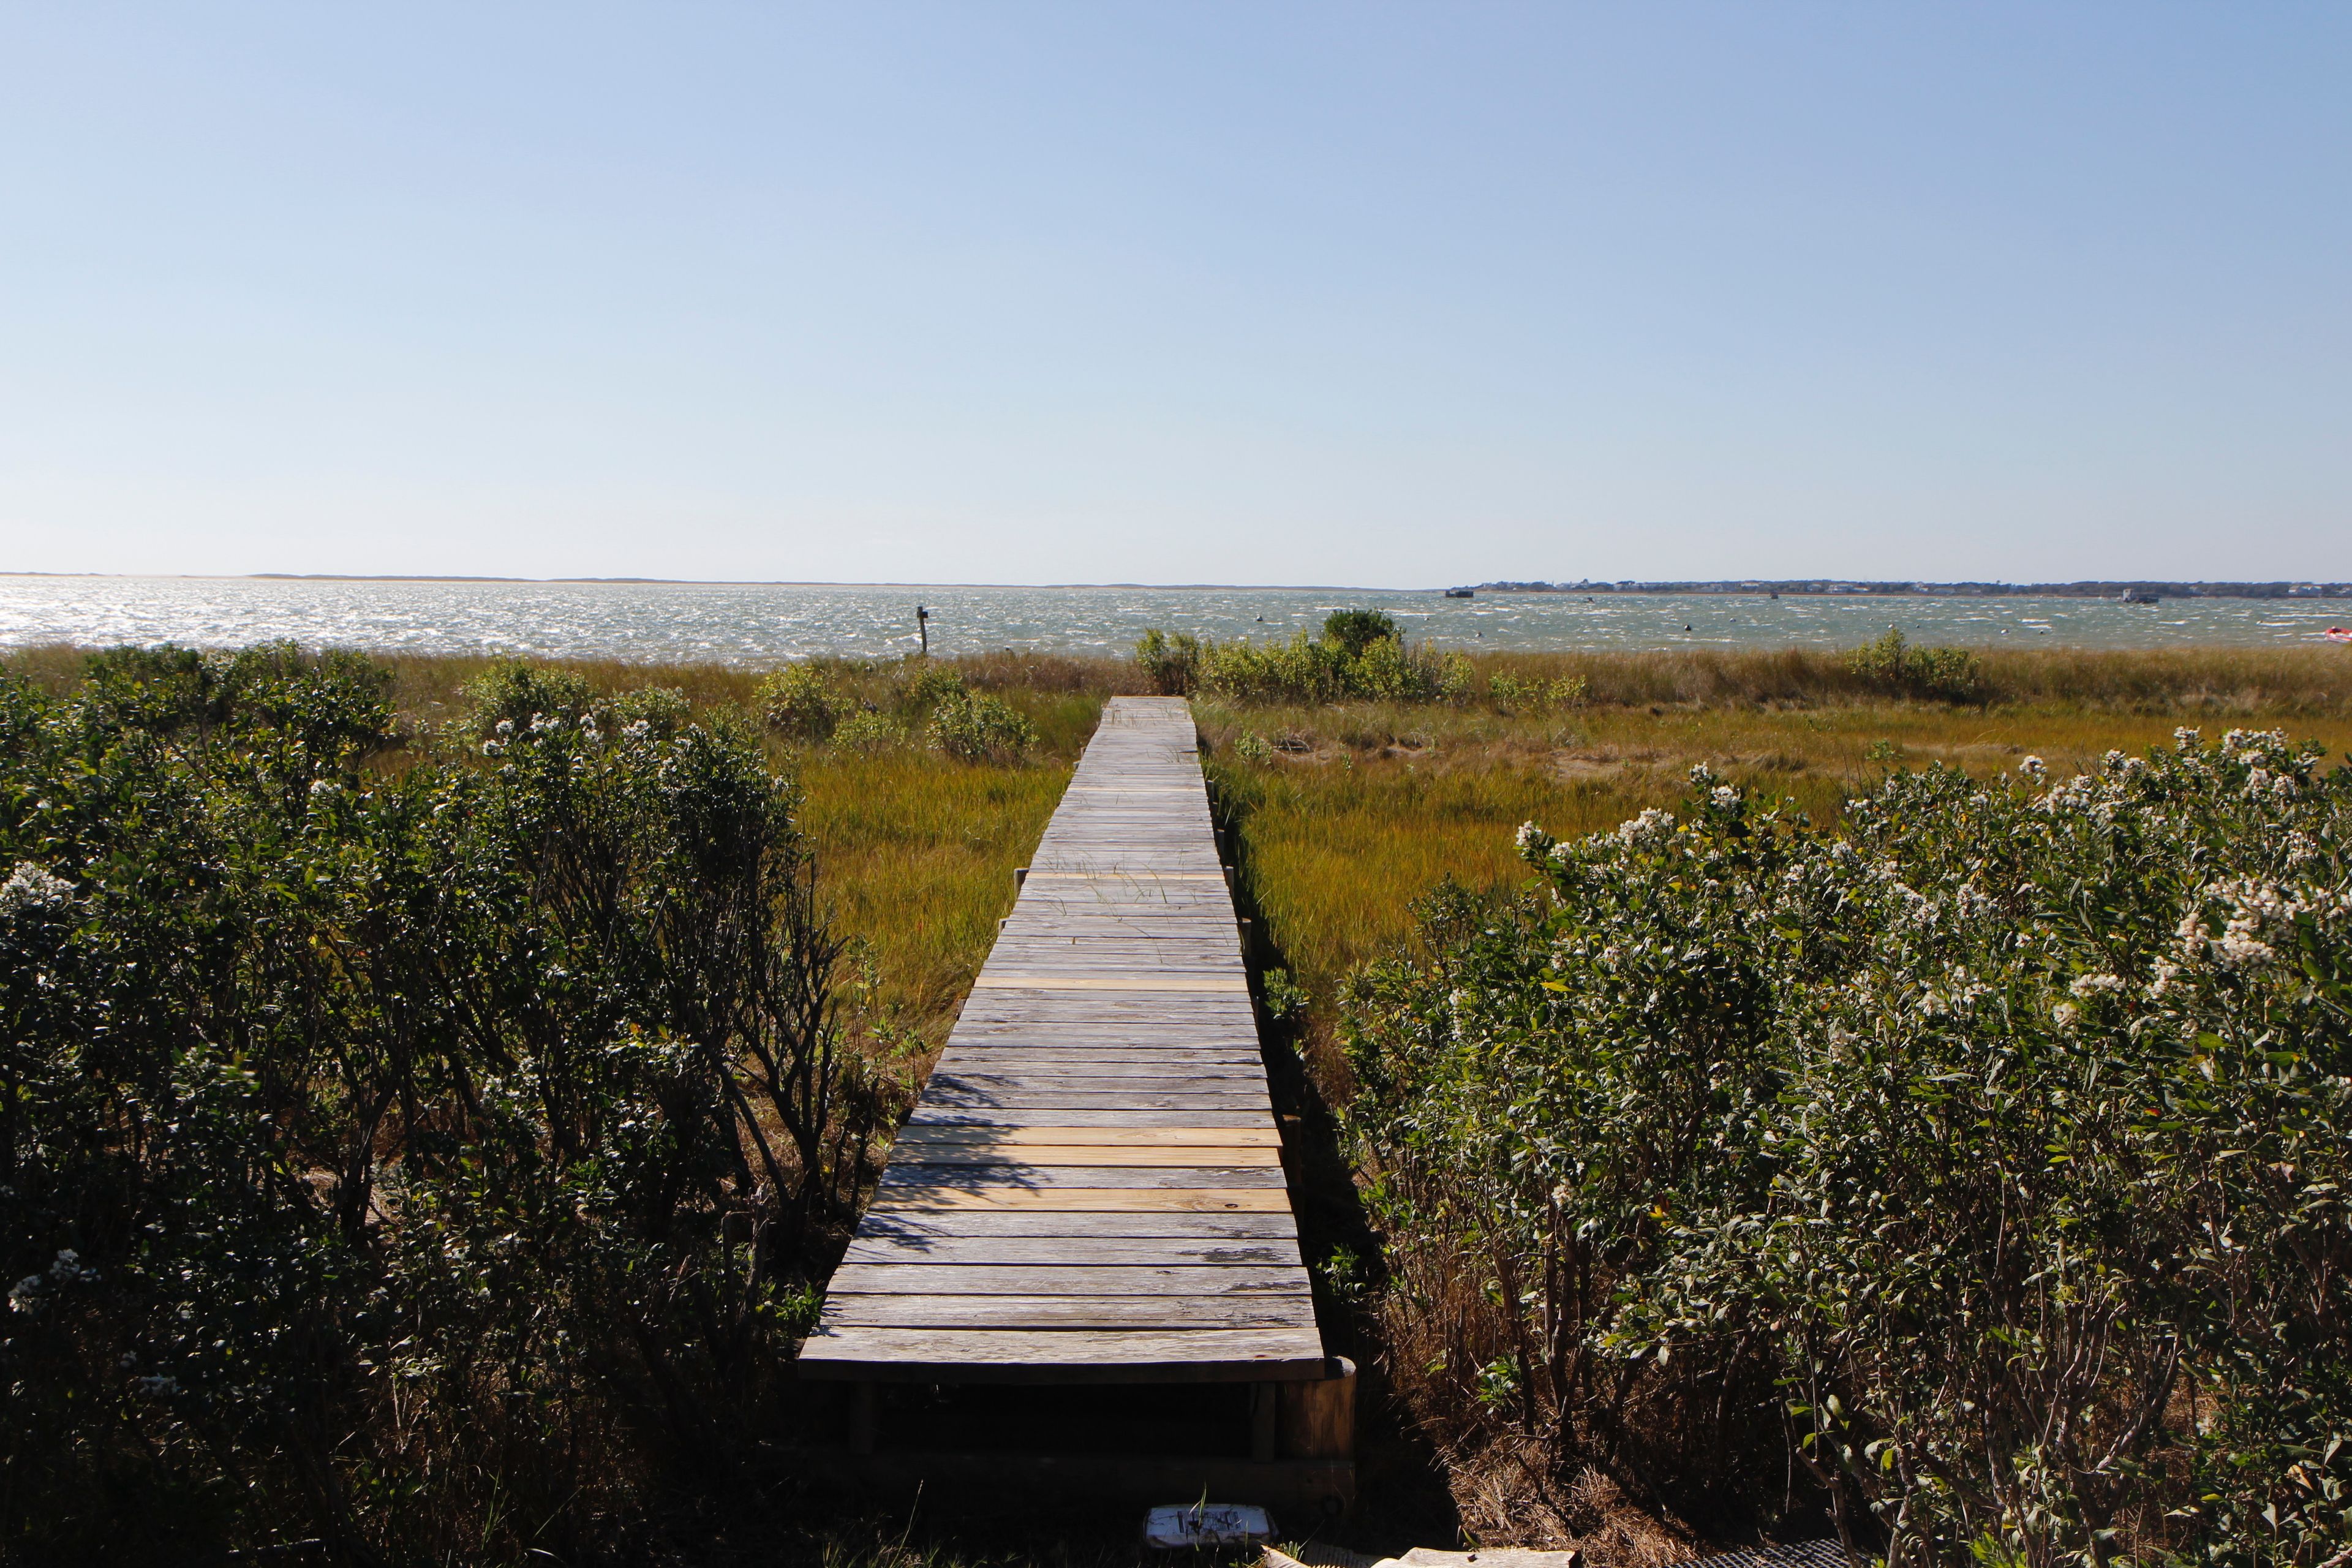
pixel 1098 1200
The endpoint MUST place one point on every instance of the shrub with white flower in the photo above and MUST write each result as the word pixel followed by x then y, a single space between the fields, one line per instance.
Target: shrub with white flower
pixel 30 887
pixel 1985 1165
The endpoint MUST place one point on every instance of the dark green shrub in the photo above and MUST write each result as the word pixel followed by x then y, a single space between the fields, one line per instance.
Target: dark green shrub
pixel 1168 663
pixel 1353 631
pixel 517 694
pixel 1898 669
pixel 799 700
pixel 416 1164
pixel 925 685
pixel 1986 1168
pixel 1308 670
pixel 973 728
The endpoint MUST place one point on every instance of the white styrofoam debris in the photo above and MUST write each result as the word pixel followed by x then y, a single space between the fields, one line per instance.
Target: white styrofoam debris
pixel 1178 1526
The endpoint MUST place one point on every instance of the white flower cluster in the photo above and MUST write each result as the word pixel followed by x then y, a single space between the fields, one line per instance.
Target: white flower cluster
pixel 1725 796
pixel 2256 744
pixel 24 1296
pixel 1918 909
pixel 2262 782
pixel 2087 794
pixel 1651 825
pixel 2087 986
pixel 2034 768
pixel 2258 910
pixel 30 887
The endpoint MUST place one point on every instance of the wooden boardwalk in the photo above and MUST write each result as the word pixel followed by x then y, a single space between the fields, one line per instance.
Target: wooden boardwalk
pixel 1090 1188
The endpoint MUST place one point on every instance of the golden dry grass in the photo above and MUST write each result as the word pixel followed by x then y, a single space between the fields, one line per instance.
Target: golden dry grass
pixel 916 852
pixel 1381 800
pixel 1369 805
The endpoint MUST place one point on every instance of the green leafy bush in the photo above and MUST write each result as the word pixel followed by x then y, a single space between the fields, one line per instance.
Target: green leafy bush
pixel 395 1161
pixel 973 728
pixel 1351 632
pixel 515 693
pixel 1168 663
pixel 1984 1167
pixel 925 685
pixel 1896 669
pixel 1359 656
pixel 869 733
pixel 799 700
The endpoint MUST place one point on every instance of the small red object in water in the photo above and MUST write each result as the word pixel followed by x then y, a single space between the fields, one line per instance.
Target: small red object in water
pixel 2337 634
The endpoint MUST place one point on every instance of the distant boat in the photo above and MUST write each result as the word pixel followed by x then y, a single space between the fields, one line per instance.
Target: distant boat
pixel 2140 596
pixel 1460 592
pixel 2337 634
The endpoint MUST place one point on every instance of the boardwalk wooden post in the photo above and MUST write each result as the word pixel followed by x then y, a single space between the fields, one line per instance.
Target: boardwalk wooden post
pixel 1090 1189
pixel 1319 1419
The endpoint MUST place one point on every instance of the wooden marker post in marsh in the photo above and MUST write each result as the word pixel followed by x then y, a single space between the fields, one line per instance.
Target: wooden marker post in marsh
pixel 1088 1201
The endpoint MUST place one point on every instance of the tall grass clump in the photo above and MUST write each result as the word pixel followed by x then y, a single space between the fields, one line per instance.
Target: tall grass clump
pixel 416 1164
pixel 1976 1174
pixel 1360 654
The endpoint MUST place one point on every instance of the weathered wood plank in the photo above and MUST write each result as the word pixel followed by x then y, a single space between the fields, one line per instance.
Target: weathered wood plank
pixel 931 1279
pixel 1166 1355
pixel 916 1137
pixel 1037 1099
pixel 1130 980
pixel 1194 1156
pixel 1140 1200
pixel 897 1177
pixel 1069 1312
pixel 1065 1224
pixel 1082 1116
pixel 1075 1252
pixel 1104 1080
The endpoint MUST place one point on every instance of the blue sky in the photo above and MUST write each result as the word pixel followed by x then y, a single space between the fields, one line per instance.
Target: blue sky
pixel 1386 295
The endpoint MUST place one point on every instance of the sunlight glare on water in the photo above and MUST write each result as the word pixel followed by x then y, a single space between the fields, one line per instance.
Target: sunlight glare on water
pixel 749 623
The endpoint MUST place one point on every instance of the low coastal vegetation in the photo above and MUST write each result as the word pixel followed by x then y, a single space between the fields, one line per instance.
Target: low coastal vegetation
pixel 402 1160
pixel 424 1136
pixel 1972 1174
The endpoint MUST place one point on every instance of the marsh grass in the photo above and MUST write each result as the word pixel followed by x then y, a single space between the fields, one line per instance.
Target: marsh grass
pixel 1352 811
pixel 915 850
pixel 919 856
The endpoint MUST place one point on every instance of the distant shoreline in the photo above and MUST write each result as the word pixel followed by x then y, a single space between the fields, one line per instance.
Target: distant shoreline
pixel 1795 588
pixel 1831 587
pixel 689 582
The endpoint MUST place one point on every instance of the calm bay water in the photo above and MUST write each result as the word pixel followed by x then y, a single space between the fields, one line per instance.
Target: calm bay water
pixel 754 625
